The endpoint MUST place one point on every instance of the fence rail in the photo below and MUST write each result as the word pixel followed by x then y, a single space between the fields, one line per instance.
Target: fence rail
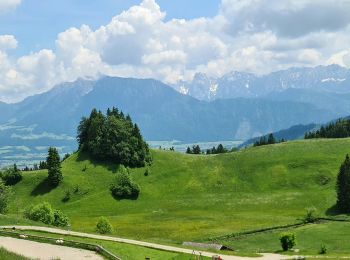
pixel 70 243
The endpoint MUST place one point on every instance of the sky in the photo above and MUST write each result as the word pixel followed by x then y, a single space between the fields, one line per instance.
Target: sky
pixel 45 43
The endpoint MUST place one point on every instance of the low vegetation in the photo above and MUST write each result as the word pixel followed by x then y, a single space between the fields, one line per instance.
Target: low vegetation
pixel 103 226
pixel 287 241
pixel 44 213
pixel 124 187
pixel 5 196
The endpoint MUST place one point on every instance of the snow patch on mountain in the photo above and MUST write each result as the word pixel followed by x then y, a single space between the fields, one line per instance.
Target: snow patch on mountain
pixel 332 80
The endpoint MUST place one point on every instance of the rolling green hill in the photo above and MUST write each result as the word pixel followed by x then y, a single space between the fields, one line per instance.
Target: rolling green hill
pixel 189 197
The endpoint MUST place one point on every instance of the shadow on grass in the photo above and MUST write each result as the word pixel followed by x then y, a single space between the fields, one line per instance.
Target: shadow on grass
pixel 82 156
pixel 333 211
pixel 42 188
pixel 125 197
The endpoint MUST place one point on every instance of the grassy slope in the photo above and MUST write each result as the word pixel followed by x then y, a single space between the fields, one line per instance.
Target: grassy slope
pixel 309 239
pixel 188 197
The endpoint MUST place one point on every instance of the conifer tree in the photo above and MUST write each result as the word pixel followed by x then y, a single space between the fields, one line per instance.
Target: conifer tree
pixel 343 187
pixel 271 139
pixel 54 167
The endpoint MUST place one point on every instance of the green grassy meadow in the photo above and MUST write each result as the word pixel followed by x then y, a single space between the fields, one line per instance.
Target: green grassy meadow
pixel 196 197
pixel 334 235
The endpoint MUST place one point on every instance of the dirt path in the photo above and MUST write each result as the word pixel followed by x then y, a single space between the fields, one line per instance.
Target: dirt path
pixel 43 251
pixel 146 244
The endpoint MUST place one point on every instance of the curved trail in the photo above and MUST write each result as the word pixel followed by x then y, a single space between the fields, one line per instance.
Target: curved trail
pixel 35 250
pixel 147 244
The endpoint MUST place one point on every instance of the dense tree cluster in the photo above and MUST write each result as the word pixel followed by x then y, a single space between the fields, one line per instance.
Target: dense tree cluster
pixel 42 165
pixel 338 129
pixel 216 150
pixel 53 163
pixel 266 140
pixel 194 150
pixel 343 187
pixel 113 137
pixel 12 175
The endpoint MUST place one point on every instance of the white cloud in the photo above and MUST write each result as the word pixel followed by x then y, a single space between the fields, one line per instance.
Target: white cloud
pixel 6 5
pixel 8 42
pixel 251 35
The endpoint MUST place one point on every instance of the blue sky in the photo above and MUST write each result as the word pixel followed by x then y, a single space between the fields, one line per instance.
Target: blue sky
pixel 44 43
pixel 36 23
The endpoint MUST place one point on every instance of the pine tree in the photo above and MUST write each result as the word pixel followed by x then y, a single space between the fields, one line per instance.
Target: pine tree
pixel 271 139
pixel 188 150
pixel 54 167
pixel 343 187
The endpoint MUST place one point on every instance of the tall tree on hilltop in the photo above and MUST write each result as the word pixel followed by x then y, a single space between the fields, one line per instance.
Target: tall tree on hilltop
pixel 54 167
pixel 343 187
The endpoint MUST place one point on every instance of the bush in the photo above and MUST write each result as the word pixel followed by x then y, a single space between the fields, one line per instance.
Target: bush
pixel 66 196
pixel 43 212
pixel 60 220
pixel 124 187
pixel 12 176
pixel 323 250
pixel 287 241
pixel 310 216
pixel 5 194
pixel 146 173
pixel 103 226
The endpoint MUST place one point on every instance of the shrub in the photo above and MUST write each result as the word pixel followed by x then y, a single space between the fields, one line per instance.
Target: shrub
pixel 66 196
pixel 323 250
pixel 5 194
pixel 43 212
pixel 12 176
pixel 60 219
pixel 287 241
pixel 103 226
pixel 146 172
pixel 310 216
pixel 124 187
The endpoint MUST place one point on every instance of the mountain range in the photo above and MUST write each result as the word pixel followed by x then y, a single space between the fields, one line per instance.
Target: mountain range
pixel 165 114
pixel 322 79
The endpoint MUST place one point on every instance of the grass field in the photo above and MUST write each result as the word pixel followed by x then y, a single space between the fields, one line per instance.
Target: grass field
pixel 309 240
pixel 189 197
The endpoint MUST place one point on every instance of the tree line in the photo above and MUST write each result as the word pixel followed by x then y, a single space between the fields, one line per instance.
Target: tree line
pixel 195 149
pixel 266 140
pixel 337 129
pixel 113 137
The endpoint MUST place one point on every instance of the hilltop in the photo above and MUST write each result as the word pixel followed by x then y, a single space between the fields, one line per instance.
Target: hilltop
pixel 189 197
